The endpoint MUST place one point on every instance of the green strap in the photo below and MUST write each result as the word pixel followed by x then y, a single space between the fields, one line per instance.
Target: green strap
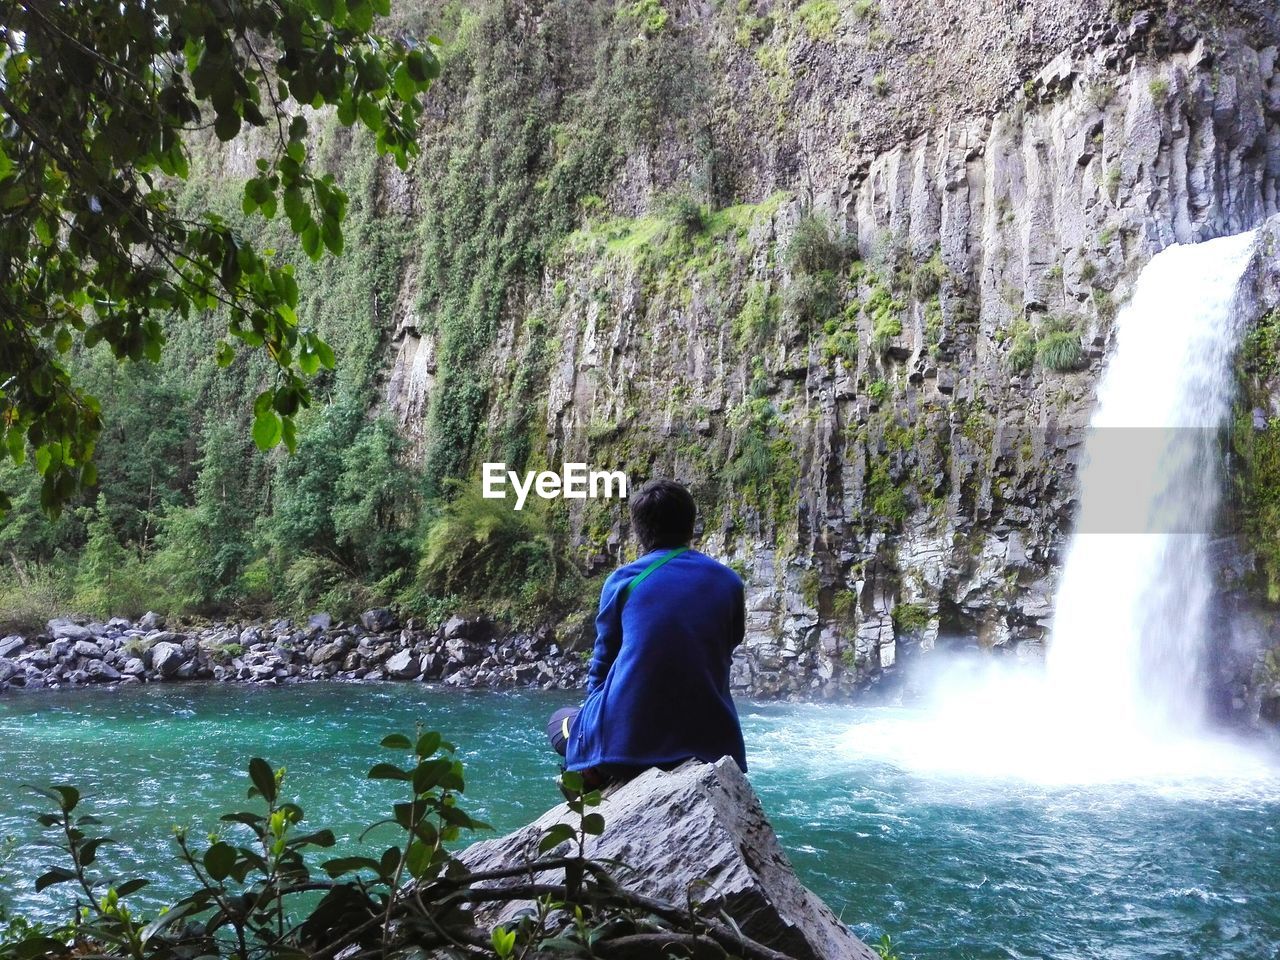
pixel 640 577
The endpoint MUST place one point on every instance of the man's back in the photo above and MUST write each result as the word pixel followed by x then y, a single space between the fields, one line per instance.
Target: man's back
pixel 658 689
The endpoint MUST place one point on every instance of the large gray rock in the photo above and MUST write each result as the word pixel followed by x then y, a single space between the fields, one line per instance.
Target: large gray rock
pixel 67 630
pixel 167 658
pixel 404 665
pixel 699 832
pixel 11 644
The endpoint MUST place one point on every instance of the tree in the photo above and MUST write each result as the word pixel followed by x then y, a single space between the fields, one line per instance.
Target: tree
pixel 98 100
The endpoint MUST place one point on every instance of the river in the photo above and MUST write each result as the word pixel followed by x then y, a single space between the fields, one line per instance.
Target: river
pixel 954 866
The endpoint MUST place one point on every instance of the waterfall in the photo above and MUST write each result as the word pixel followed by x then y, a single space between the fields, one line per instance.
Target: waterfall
pixel 1121 696
pixel 1127 644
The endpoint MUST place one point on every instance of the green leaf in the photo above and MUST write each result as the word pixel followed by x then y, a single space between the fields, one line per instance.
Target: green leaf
pixel 396 741
pixel 224 353
pixel 219 859
pixel 54 876
pixel 227 125
pixel 260 772
pixel 406 88
pixel 593 824
pixel 555 836
pixel 428 744
pixel 388 771
pixel 267 430
pixel 324 352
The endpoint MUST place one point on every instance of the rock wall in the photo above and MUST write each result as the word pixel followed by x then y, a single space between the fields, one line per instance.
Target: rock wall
pixel 879 414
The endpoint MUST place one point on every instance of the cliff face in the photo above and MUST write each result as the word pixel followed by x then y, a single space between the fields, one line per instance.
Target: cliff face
pixel 854 281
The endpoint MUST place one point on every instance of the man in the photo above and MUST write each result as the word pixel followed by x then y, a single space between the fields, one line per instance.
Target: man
pixel 658 687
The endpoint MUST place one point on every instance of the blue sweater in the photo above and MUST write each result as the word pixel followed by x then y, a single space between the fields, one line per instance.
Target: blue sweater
pixel 658 687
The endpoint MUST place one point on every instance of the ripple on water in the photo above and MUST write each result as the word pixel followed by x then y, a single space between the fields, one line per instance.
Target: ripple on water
pixel 954 867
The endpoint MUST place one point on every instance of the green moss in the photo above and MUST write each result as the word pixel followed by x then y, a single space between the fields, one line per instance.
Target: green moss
pixel 880 85
pixel 819 18
pixel 756 320
pixel 910 618
pixel 764 469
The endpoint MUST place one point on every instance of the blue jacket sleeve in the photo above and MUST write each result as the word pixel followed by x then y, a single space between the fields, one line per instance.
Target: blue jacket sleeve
pixel 608 635
pixel 739 628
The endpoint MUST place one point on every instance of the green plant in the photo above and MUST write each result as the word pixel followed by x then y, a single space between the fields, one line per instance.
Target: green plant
pixel 880 85
pixel 1060 350
pixel 510 562
pixel 886 329
pixel 812 297
pixel 910 618
pixel 1022 355
pixel 1159 88
pixel 815 247
pixel 96 248
pixel 819 17
pixel 885 949
pixel 878 390
pixel 755 321
pixel 255 891
pixel 864 9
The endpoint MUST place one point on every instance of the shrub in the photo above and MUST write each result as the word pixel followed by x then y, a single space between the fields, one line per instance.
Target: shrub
pixel 755 321
pixel 927 278
pixel 1060 350
pixel 910 618
pixel 507 561
pixel 1022 356
pixel 886 329
pixel 1159 91
pixel 864 9
pixel 686 214
pixel 815 247
pixel 812 297
pixel 819 17
pixel 878 391
pixel 880 85
pixel 31 595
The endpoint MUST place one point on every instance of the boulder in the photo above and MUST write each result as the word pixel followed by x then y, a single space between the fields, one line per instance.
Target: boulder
pixel 101 671
pixel 11 644
pixel 463 652
pixel 327 652
pixel 320 621
pixel 151 621
pixel 87 649
pixel 378 621
pixel 697 831
pixel 166 658
pixel 455 628
pixel 66 630
pixel 404 665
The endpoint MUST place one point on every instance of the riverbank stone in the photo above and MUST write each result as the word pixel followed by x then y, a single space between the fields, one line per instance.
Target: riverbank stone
pixel 696 832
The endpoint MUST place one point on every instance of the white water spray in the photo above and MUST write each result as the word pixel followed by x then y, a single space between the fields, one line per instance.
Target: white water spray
pixel 1121 696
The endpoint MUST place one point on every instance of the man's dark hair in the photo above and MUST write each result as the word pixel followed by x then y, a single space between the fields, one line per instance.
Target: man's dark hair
pixel 662 513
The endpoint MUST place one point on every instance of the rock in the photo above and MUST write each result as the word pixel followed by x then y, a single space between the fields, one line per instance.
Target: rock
pixel 11 645
pixel 151 621
pixel 456 627
pixel 133 667
pixel 403 665
pixel 463 652
pixel 87 649
pixel 101 671
pixel 8 670
pixel 327 652
pixel 378 620
pixel 166 658
pixel 697 831
pixel 66 630
pixel 320 621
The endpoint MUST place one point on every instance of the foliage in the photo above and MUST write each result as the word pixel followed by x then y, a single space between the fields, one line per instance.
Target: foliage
pixel 94 248
pixel 512 562
pixel 33 594
pixel 756 320
pixel 819 17
pixel 1257 449
pixel 812 297
pixel 257 893
pixel 1022 355
pixel 888 499
pixel 763 467
pixel 910 617
pixel 880 85
pixel 814 246
pixel 1060 350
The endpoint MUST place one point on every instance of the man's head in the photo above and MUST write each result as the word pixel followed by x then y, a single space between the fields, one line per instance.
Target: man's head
pixel 662 513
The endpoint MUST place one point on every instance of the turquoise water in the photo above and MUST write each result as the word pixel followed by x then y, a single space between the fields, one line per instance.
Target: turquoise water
pixel 953 867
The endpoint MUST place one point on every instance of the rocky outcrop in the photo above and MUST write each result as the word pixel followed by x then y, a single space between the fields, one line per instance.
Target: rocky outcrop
pixel 883 445
pixel 695 836
pixel 462 653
